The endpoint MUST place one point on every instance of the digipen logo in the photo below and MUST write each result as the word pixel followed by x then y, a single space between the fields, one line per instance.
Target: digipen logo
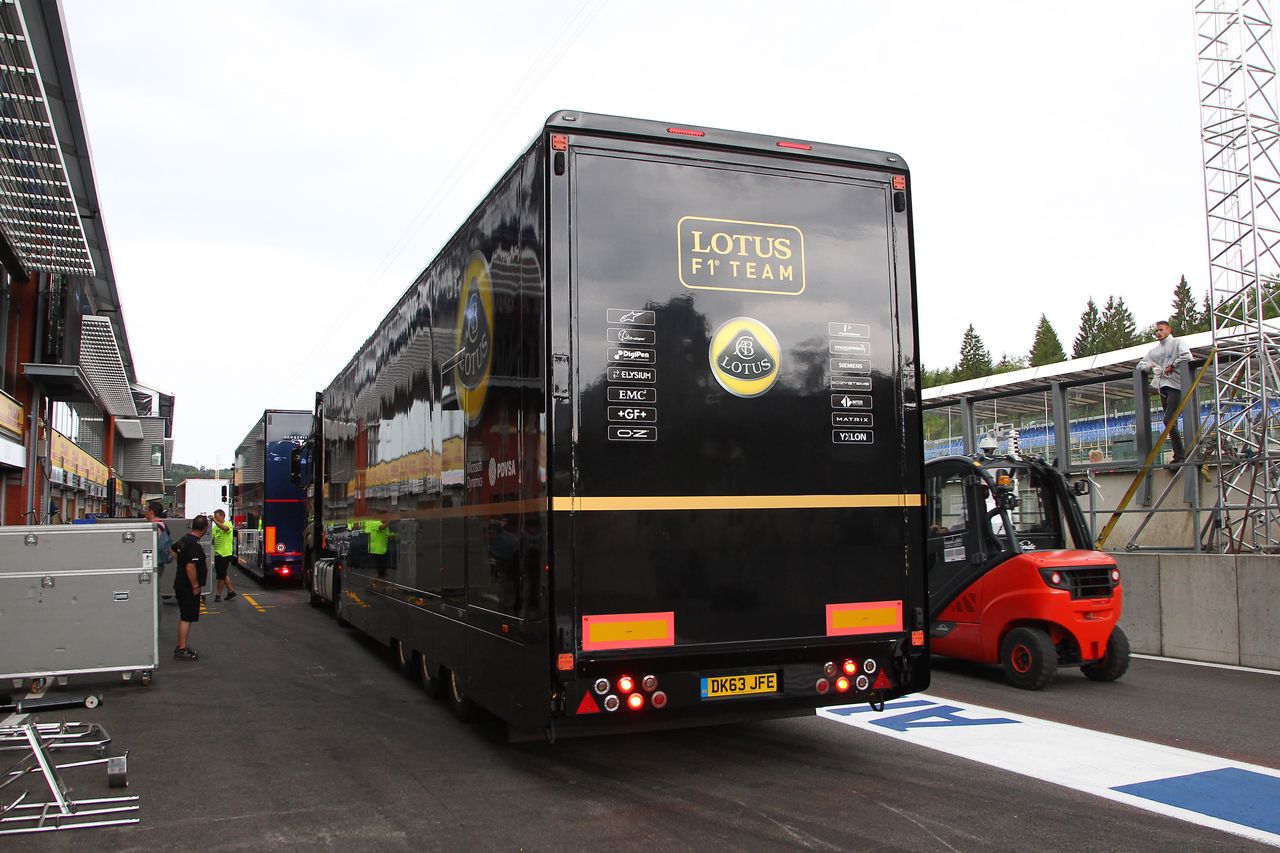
pixel 475 337
pixel 745 357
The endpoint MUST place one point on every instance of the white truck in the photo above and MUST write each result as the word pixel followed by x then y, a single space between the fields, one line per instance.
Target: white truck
pixel 202 496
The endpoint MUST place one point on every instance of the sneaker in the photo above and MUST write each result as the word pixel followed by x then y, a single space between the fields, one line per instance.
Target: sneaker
pixel 185 654
pixel 232 594
pixel 219 597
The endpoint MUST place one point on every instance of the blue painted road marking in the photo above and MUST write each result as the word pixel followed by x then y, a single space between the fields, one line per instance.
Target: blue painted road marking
pixel 1240 796
pixel 1243 799
pixel 929 715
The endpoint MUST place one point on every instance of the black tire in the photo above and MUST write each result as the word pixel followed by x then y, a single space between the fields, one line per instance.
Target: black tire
pixel 461 706
pixel 1029 659
pixel 337 601
pixel 430 676
pixel 1115 664
pixel 402 659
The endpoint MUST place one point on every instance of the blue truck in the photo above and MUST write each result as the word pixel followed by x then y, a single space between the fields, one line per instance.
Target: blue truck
pixel 269 511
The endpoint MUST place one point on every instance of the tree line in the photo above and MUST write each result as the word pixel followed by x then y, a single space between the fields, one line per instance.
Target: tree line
pixel 1110 328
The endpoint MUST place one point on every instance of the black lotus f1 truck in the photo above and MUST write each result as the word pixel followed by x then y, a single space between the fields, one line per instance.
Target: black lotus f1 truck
pixel 641 446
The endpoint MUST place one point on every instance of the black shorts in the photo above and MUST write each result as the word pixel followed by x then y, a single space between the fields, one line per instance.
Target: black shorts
pixel 220 566
pixel 188 601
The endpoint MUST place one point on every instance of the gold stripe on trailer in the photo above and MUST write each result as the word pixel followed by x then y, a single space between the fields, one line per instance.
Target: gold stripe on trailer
pixel 689 502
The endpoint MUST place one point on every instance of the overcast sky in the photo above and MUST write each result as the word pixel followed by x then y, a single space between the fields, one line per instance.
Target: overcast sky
pixel 273 174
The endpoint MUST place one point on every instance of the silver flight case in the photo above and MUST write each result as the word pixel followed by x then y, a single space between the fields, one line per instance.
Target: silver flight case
pixel 77 599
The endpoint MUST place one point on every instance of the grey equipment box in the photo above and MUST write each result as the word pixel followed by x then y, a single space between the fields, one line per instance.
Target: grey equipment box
pixel 77 599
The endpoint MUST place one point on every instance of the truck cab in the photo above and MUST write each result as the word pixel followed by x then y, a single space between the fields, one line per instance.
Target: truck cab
pixel 1013 577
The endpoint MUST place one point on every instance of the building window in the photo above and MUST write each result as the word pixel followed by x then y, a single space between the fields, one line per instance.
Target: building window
pixel 157 455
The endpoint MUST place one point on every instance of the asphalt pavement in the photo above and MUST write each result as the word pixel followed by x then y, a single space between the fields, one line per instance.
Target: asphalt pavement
pixel 293 733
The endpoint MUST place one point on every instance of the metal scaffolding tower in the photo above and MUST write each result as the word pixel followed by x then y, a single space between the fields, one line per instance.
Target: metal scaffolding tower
pixel 1240 139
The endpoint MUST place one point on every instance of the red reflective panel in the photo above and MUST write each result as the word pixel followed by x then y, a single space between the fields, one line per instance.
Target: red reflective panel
pixel 899 182
pixel 684 131
pixel 799 146
pixel 559 142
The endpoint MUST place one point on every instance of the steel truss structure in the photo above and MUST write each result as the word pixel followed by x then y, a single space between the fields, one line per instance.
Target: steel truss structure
pixel 1240 140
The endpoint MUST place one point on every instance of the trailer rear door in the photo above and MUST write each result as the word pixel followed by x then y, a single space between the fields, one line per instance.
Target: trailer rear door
pixel 745 471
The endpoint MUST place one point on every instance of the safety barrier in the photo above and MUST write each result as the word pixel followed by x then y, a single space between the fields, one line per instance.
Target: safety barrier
pixel 1219 608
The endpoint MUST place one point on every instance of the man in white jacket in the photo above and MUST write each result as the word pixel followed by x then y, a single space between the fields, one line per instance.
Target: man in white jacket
pixel 1162 361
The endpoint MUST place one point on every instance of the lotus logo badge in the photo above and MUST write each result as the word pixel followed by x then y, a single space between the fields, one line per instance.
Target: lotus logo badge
pixel 745 357
pixel 475 337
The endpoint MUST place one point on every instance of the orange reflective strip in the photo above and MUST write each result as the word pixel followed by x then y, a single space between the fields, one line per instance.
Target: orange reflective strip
pixel 864 617
pixel 628 631
pixel 271 540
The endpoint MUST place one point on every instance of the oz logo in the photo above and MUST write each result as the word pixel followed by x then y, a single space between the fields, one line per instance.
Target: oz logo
pixel 745 357
pixel 475 337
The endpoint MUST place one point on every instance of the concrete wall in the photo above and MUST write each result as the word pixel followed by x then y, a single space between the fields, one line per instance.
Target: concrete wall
pixel 1219 608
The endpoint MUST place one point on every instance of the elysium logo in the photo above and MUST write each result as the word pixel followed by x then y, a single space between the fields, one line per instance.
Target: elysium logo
pixel 745 357
pixel 475 337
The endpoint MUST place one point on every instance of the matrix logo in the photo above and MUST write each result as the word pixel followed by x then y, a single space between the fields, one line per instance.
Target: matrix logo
pixel 475 337
pixel 745 357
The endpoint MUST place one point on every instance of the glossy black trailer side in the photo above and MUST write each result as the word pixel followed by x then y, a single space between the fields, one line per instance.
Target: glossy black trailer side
pixel 650 412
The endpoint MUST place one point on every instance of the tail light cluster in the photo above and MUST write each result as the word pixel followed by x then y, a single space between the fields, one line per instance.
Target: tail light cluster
pixel 626 691
pixel 848 673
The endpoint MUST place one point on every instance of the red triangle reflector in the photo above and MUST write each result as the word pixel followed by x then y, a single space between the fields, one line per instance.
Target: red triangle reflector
pixel 588 705
pixel 882 682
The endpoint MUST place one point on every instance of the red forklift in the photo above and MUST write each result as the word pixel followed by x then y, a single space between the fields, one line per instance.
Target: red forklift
pixel 1013 576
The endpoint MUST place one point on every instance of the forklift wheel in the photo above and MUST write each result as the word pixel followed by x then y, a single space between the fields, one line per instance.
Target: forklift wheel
pixel 1115 664
pixel 1029 659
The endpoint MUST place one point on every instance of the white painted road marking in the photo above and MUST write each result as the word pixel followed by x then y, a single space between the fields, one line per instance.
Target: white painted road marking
pixel 1240 798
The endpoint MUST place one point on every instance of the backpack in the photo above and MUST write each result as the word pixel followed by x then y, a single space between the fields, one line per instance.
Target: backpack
pixel 163 544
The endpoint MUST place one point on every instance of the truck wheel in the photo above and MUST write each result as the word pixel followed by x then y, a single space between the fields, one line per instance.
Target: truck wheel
pixel 402 659
pixel 1115 664
pixel 458 701
pixel 1029 659
pixel 432 683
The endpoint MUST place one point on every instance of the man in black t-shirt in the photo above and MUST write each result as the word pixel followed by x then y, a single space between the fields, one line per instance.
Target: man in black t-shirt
pixel 188 580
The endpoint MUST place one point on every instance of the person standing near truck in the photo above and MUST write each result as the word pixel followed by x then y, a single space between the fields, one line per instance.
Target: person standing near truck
pixel 223 548
pixel 188 580
pixel 1163 360
pixel 164 545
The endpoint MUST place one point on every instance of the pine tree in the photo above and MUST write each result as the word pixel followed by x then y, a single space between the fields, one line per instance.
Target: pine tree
pixel 1206 316
pixel 1117 329
pixel 1086 342
pixel 1185 317
pixel 1009 363
pixel 932 378
pixel 975 360
pixel 1046 348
